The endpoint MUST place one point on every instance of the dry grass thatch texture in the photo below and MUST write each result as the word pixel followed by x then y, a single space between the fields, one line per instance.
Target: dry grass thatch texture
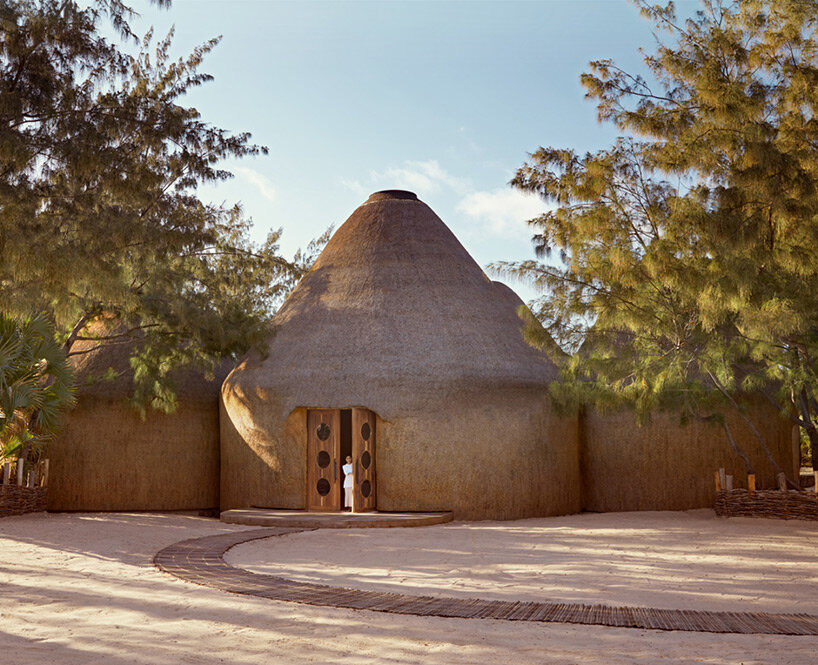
pixel 396 317
pixel 265 464
pixel 665 466
pixel 93 366
pixel 107 458
pixel 393 311
pixel 441 459
pixel 429 462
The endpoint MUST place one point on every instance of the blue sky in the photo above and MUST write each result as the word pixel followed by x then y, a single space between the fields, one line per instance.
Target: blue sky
pixel 443 98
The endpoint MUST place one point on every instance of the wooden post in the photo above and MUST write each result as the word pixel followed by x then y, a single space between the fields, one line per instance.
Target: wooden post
pixel 782 481
pixel 32 477
pixel 751 483
pixel 7 473
pixel 722 478
pixel 815 487
pixel 44 474
pixel 718 481
pixel 20 471
pixel 729 483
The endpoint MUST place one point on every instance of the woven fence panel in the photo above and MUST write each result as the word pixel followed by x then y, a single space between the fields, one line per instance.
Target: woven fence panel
pixel 15 500
pixel 785 505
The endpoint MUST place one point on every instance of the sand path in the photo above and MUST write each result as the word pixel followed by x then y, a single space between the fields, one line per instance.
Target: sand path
pixel 78 588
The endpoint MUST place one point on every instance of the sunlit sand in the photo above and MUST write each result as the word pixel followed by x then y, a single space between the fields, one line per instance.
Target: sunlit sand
pixel 82 588
pixel 686 560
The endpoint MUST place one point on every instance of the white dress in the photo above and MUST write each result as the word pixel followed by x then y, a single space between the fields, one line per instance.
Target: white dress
pixel 348 484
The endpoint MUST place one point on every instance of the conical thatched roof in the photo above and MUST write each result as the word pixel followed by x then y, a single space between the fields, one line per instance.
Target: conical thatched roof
pixel 393 312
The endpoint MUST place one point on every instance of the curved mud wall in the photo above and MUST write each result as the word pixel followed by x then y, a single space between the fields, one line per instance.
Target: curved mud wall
pixel 264 460
pixel 482 456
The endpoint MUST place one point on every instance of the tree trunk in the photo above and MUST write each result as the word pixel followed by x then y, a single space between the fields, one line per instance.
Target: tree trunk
pixel 809 427
pixel 761 442
pixel 744 458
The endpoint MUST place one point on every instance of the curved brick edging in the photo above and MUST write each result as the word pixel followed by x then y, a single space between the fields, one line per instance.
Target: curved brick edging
pixel 201 561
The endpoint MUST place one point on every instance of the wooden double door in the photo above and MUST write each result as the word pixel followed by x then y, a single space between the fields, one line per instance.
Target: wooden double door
pixel 332 435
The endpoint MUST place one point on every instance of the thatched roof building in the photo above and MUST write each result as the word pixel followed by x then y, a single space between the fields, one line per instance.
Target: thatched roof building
pixel 397 324
pixel 397 351
pixel 106 457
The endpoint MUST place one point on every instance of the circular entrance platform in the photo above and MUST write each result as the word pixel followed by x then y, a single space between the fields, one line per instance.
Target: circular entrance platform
pixel 302 519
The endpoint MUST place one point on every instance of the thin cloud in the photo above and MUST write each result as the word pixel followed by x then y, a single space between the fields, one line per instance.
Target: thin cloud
pixel 355 186
pixel 502 210
pixel 261 182
pixel 423 177
pixel 428 176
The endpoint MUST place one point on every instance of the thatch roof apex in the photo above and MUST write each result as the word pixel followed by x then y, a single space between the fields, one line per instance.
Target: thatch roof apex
pixel 392 194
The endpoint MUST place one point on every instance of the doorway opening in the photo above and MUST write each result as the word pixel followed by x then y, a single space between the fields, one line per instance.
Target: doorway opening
pixel 332 435
pixel 346 435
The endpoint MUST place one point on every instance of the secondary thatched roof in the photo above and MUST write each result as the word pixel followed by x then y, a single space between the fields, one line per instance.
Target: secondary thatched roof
pixel 105 373
pixel 393 313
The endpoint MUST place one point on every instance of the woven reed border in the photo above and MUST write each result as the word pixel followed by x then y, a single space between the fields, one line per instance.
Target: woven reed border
pixel 16 500
pixel 201 561
pixel 785 505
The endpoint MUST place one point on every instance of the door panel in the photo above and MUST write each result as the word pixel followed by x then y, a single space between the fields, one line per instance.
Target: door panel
pixel 323 449
pixel 363 458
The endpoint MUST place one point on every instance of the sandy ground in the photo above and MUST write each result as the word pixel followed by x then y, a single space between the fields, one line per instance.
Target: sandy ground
pixel 79 588
pixel 684 560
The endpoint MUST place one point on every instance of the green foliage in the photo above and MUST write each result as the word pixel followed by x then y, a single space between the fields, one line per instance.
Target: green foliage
pixel 688 274
pixel 99 217
pixel 35 383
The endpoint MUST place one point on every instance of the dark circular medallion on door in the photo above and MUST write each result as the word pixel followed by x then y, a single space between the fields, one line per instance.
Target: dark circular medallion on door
pixel 366 459
pixel 323 431
pixel 365 431
pixel 323 487
pixel 323 459
pixel 366 488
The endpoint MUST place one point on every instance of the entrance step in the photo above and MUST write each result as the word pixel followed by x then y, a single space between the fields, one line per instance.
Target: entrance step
pixel 302 519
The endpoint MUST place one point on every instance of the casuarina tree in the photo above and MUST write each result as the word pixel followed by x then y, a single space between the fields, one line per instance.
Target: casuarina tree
pixel 101 228
pixel 684 269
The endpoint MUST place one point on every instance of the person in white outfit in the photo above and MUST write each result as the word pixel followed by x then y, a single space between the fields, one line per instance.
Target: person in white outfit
pixel 348 483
